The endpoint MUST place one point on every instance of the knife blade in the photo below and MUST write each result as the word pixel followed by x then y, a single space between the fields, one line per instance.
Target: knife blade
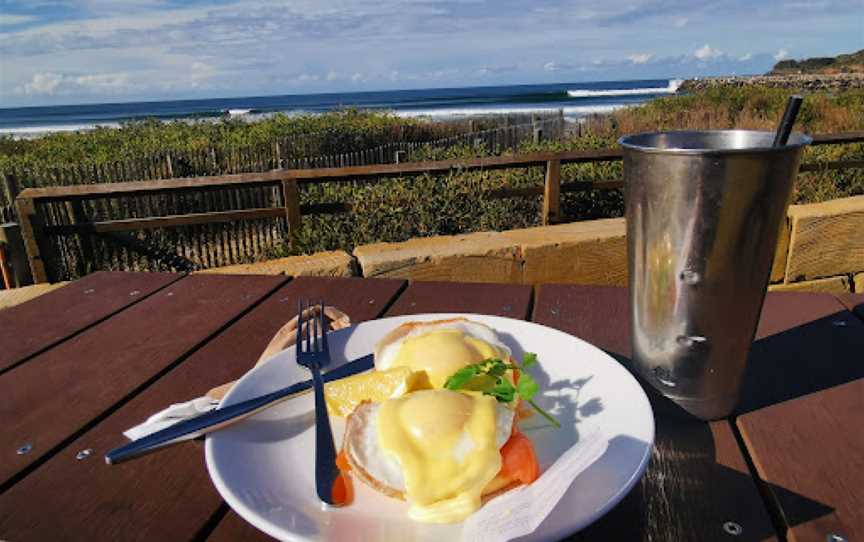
pixel 223 417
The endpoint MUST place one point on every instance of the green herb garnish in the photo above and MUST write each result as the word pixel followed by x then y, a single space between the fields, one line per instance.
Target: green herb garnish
pixel 488 377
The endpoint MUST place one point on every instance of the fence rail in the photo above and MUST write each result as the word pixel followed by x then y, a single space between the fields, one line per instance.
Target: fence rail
pixel 78 212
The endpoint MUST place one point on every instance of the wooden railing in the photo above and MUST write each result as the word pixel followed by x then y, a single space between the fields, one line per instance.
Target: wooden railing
pixel 35 232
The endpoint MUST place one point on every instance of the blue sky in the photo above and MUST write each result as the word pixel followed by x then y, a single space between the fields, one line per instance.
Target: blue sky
pixel 110 51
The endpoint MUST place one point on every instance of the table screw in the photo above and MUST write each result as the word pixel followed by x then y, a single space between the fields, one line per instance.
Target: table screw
pixel 89 291
pixel 23 450
pixel 732 528
pixel 371 301
pixel 839 323
pixel 84 454
pixel 134 292
pixel 834 537
pixel 554 311
pixel 507 308
pixel 169 294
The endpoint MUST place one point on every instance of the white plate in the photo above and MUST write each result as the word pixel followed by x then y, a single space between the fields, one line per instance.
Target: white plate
pixel 264 467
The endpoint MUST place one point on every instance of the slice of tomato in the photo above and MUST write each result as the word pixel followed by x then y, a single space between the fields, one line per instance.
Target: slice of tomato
pixel 342 461
pixel 518 460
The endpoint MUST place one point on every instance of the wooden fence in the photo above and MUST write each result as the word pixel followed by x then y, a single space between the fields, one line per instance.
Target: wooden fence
pixel 209 221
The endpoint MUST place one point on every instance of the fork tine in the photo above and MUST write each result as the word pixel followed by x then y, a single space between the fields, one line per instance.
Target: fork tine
pixel 323 321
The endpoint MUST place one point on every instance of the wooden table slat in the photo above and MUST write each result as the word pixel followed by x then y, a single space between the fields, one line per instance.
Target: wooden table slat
pixel 697 479
pixel 51 397
pixel 853 302
pixel 805 342
pixel 42 322
pixel 813 446
pixel 511 300
pixel 167 495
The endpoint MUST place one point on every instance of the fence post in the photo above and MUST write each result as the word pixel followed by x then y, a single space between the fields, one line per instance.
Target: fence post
pixel 31 230
pixel 170 166
pixel 76 213
pixel 552 193
pixel 291 197
pixel 538 135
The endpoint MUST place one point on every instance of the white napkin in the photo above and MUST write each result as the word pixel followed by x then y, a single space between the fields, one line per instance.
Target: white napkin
pixel 520 511
pixel 285 337
pixel 171 415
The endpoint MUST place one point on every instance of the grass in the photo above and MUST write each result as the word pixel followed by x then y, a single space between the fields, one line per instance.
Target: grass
pixel 398 209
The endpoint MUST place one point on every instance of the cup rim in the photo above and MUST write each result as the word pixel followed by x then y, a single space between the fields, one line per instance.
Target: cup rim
pixel 796 141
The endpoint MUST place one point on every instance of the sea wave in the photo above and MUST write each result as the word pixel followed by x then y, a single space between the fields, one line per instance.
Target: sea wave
pixel 671 88
pixel 450 112
pixel 36 131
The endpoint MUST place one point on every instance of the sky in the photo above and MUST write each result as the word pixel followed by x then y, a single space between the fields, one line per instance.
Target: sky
pixel 95 51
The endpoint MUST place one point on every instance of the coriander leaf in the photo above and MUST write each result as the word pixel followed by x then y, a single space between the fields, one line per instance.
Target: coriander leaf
pixel 529 359
pixel 460 377
pixel 498 369
pixel 479 383
pixel 503 390
pixel 527 387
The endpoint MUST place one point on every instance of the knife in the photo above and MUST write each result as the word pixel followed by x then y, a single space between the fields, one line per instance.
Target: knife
pixel 223 417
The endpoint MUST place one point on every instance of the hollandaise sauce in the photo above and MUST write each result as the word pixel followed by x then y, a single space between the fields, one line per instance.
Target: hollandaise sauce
pixel 445 442
pixel 442 352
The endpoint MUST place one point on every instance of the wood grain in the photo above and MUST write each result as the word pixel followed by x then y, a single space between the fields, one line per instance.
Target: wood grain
pixel 511 300
pixel 52 396
pixel 826 239
pixel 42 322
pixel 167 495
pixel 697 479
pixel 813 446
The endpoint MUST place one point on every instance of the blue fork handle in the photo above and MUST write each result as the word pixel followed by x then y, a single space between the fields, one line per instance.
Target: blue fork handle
pixel 326 471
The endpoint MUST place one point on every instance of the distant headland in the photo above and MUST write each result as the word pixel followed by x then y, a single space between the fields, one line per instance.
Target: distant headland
pixel 842 72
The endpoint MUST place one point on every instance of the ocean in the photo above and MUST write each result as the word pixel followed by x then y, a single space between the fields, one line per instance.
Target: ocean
pixel 575 99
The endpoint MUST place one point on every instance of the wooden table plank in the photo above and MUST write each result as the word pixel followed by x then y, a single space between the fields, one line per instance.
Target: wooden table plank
pixel 805 342
pixel 853 302
pixel 511 300
pixel 38 324
pixel 58 393
pixel 167 495
pixel 697 479
pixel 814 446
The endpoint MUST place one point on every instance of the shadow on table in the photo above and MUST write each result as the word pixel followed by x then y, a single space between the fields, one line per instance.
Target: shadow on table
pixel 808 358
pixel 687 486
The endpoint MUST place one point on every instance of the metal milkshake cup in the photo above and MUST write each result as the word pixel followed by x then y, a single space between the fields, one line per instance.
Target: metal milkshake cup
pixel 704 210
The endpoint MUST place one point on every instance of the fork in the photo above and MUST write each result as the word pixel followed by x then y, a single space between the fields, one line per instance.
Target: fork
pixel 313 353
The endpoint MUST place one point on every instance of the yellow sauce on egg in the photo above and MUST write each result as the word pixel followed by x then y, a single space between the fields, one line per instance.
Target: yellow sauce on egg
pixel 445 443
pixel 442 352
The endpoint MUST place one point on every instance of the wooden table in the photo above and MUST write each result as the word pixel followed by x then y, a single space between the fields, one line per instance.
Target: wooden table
pixel 82 363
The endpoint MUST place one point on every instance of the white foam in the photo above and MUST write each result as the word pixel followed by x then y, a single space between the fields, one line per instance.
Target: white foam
pixel 36 131
pixel 570 110
pixel 671 88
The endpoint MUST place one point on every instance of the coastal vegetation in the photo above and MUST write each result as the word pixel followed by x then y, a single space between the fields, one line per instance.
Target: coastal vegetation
pixel 400 208
pixel 851 63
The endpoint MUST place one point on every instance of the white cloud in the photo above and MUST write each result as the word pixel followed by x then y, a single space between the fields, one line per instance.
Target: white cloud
pixel 706 52
pixel 7 19
pixel 550 67
pixel 42 83
pixel 745 57
pixel 680 22
pixel 781 54
pixel 640 58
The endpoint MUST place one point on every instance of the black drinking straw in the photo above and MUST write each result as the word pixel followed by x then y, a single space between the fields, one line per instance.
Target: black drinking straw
pixel 785 128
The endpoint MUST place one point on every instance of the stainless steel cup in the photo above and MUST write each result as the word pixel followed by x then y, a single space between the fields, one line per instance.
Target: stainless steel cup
pixel 704 210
